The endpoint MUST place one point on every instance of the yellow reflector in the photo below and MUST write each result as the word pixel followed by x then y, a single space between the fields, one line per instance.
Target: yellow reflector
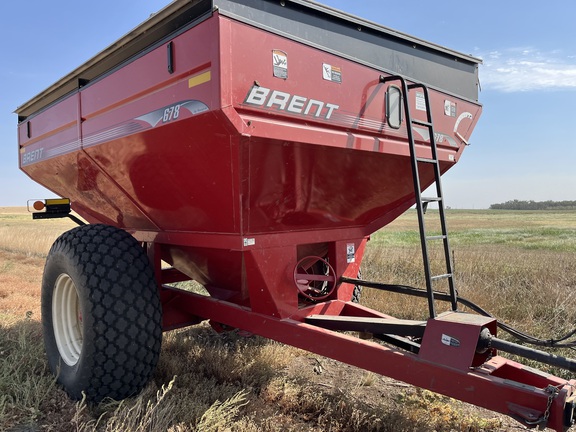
pixel 57 201
pixel 199 79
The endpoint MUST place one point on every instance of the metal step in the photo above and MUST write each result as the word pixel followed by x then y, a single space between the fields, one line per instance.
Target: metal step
pixel 422 123
pixel 427 160
pixel 442 276
pixel 436 237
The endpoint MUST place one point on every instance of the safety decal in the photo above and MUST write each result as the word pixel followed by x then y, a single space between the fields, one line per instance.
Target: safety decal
pixel 332 73
pixel 350 253
pixel 280 64
pixel 249 241
pixel 449 108
pixel 420 101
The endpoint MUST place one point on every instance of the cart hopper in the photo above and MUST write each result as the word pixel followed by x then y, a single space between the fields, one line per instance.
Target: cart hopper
pixel 219 127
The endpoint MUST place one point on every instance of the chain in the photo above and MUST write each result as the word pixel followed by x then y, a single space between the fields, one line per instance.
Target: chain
pixel 553 393
pixel 543 421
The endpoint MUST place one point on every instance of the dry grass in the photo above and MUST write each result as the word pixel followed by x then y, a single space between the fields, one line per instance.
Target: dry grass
pixel 19 233
pixel 519 266
pixel 215 382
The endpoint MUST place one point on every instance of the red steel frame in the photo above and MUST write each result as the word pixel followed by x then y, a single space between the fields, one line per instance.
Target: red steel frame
pixel 233 194
pixel 492 382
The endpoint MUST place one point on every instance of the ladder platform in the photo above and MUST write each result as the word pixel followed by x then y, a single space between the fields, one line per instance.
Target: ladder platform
pixel 369 325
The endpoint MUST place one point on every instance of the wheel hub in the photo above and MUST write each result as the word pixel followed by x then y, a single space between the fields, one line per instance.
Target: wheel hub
pixel 67 319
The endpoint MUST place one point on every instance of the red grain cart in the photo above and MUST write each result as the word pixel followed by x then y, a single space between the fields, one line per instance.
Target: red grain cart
pixel 254 145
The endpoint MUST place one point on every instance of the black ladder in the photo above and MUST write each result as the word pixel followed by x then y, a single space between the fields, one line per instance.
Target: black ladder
pixel 422 202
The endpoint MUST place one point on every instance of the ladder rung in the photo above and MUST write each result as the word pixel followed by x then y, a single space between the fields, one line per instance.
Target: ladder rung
pixel 442 276
pixel 437 237
pixel 422 123
pixel 427 160
pixel 431 199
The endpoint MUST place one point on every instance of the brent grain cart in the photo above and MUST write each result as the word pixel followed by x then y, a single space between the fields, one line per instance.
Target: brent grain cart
pixel 254 145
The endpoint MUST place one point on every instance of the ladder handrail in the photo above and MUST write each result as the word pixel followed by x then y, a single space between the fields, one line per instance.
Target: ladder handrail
pixel 421 203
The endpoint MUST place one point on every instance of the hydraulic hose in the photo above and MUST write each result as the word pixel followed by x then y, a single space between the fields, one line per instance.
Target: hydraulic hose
pixel 417 292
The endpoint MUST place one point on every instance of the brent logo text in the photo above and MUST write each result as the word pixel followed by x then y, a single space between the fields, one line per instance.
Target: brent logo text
pixel 274 99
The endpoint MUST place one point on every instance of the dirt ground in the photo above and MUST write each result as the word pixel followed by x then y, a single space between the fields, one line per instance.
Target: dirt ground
pixel 366 387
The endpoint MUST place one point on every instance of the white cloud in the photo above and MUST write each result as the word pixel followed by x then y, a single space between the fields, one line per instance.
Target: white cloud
pixel 527 69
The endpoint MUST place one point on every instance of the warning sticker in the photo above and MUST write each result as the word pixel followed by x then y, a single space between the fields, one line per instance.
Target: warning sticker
pixel 280 63
pixel 420 102
pixel 332 73
pixel 449 108
pixel 350 253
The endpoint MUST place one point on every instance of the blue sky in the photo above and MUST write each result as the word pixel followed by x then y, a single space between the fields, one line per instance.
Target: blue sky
pixel 523 147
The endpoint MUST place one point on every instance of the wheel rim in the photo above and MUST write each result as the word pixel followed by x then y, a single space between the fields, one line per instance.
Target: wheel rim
pixel 67 319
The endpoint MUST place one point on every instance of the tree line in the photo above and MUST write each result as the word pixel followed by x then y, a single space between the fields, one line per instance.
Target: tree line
pixel 534 205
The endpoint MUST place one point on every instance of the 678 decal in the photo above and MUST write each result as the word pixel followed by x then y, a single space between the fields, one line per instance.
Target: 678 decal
pixel 173 112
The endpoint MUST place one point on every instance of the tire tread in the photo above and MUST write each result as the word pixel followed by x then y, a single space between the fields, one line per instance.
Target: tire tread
pixel 124 307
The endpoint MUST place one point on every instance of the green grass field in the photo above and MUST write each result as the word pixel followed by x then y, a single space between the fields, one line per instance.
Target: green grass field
pixel 544 230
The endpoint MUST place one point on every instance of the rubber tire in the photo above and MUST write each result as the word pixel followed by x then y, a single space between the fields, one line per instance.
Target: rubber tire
pixel 357 293
pixel 119 314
